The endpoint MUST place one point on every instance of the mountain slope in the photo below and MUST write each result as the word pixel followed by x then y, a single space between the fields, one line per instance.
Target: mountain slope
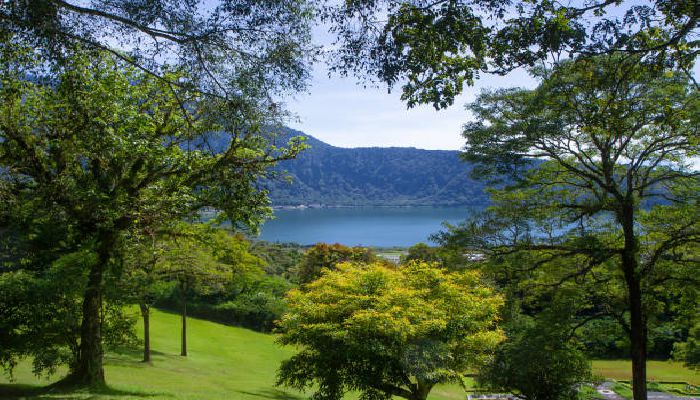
pixel 336 176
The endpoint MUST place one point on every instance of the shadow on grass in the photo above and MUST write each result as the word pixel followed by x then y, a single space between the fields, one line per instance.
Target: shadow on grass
pixel 132 357
pixel 272 394
pixel 19 391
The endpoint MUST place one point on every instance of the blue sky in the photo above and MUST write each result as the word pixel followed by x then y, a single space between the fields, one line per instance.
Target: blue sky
pixel 340 112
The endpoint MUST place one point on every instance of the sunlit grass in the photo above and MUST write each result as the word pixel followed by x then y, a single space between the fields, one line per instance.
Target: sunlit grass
pixel 656 371
pixel 223 363
pixel 233 363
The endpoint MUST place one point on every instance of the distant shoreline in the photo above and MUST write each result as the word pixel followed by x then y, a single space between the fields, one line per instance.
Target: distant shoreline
pixel 318 206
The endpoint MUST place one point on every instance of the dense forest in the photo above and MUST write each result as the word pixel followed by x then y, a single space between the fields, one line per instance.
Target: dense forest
pixel 393 176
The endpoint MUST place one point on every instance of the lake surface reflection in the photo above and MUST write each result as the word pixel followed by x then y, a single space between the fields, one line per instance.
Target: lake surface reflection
pixel 367 226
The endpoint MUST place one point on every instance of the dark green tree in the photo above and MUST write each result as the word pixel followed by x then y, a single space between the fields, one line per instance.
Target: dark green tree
pixel 203 260
pixel 421 252
pixel 230 49
pixel 432 48
pixel 323 255
pixel 95 149
pixel 606 191
pixel 540 361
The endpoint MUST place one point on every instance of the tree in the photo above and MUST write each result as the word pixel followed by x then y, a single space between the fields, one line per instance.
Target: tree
pixel 422 252
pixel 613 197
pixel 93 147
pixel 540 363
pixel 202 260
pixel 433 48
pixel 239 50
pixel 689 351
pixel 322 255
pixel 40 315
pixel 388 331
pixel 140 280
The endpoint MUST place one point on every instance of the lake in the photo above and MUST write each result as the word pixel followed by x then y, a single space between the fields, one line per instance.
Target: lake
pixel 367 226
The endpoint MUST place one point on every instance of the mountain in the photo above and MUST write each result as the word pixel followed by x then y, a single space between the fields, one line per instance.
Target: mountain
pixel 335 176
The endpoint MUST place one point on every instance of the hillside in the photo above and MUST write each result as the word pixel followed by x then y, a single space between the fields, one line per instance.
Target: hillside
pixel 224 363
pixel 231 363
pixel 335 176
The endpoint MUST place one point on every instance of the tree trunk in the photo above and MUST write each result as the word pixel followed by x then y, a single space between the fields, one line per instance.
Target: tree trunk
pixel 638 322
pixel 183 345
pixel 89 370
pixel 146 314
pixel 422 390
pixel 638 341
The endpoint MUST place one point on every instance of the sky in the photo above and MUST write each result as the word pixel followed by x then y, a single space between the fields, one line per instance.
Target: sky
pixel 340 112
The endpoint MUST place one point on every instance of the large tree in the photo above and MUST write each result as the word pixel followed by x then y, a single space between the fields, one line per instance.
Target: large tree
pixel 94 149
pixel 388 331
pixel 605 189
pixel 432 48
pixel 228 48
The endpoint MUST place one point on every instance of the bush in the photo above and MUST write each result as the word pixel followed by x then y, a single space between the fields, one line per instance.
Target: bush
pixel 539 363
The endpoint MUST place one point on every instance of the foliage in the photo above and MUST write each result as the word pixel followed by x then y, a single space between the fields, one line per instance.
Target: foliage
pixel 327 256
pixel 93 150
pixel 40 314
pixel 330 175
pixel 433 48
pixel 387 331
pixel 421 252
pixel 238 50
pixel 540 361
pixel 613 203
pixel 280 258
pixel 257 305
pixel 689 351
pixel 220 279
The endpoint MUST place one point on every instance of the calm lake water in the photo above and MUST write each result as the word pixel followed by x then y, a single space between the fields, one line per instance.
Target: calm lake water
pixel 368 226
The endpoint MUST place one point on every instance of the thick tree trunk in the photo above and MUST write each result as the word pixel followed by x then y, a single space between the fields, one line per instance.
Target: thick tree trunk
pixel 638 322
pixel 422 390
pixel 183 345
pixel 89 370
pixel 146 314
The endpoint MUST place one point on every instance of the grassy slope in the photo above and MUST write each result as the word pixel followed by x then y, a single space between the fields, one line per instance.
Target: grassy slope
pixel 234 363
pixel 223 363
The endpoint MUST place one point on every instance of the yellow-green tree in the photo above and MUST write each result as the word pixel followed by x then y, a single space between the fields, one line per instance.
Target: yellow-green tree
pixel 388 331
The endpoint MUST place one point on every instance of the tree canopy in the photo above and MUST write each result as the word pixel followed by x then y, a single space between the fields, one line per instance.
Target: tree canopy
pixel 96 148
pixel 433 48
pixel 233 49
pixel 607 190
pixel 326 256
pixel 388 331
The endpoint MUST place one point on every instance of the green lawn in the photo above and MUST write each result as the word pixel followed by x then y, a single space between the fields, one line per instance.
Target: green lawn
pixel 656 371
pixel 232 363
pixel 223 363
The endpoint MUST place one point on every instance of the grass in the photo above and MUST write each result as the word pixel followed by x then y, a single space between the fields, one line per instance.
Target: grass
pixel 658 371
pixel 231 363
pixel 223 363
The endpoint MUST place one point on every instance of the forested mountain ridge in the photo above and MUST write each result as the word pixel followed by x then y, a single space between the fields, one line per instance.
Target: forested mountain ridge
pixel 335 176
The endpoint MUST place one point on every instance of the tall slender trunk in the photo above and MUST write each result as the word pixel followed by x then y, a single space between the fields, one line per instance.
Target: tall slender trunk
pixel 146 314
pixel 638 340
pixel 183 345
pixel 638 321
